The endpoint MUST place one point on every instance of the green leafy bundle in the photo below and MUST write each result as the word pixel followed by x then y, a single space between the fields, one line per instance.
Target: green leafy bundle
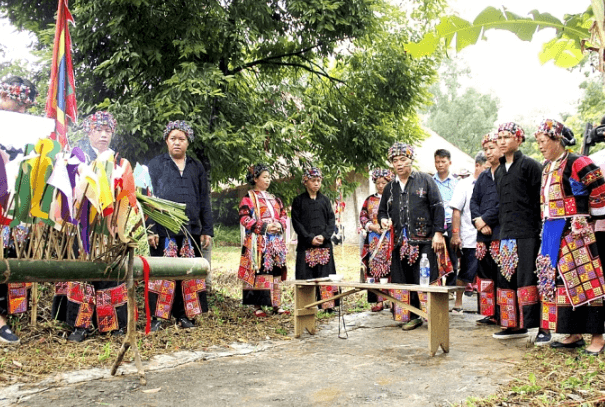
pixel 166 213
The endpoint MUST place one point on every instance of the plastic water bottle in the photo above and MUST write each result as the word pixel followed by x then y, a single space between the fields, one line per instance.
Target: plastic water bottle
pixel 425 270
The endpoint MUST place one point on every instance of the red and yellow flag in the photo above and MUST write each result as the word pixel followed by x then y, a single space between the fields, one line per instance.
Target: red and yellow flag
pixel 61 101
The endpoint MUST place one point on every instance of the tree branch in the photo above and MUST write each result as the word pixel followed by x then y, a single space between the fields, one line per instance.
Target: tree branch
pixel 266 60
pixel 305 67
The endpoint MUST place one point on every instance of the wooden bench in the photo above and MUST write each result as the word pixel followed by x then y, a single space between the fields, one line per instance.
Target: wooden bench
pixel 437 315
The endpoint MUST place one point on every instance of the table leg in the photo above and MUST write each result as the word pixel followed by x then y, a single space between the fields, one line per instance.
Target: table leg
pixel 439 322
pixel 304 318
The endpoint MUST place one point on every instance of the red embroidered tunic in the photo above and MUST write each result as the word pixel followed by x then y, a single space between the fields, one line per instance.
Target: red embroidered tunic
pixel 261 252
pixel 572 185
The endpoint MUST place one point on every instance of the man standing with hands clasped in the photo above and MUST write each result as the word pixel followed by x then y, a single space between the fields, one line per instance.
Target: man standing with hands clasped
pixel 411 203
pixel 518 181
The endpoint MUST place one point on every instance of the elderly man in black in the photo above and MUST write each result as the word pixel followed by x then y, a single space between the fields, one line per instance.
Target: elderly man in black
pixel 411 203
pixel 518 181
pixel 179 178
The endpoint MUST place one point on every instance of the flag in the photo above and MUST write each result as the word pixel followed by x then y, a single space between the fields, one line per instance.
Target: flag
pixel 61 100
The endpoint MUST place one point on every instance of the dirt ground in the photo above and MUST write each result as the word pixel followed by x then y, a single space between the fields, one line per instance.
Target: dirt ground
pixel 378 364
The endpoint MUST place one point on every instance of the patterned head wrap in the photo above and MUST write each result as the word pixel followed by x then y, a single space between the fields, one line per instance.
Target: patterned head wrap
pixel 311 172
pixel 255 171
pixel 514 129
pixel 489 138
pixel 179 125
pixel 20 92
pixel 403 149
pixel 99 119
pixel 382 173
pixel 556 131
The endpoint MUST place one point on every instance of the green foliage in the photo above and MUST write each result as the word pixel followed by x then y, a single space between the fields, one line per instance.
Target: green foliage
pixel 590 110
pixel 226 235
pixel 288 83
pixel 565 49
pixel 462 119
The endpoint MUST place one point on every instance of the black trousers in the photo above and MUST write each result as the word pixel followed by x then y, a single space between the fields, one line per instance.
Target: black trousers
pixel 404 273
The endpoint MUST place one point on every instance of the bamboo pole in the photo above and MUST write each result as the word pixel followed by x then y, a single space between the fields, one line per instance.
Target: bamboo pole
pixel 130 340
pixel 44 270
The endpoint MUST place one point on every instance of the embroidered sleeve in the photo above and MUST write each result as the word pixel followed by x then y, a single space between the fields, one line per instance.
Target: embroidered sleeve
pixel 364 216
pixel 590 175
pixel 247 218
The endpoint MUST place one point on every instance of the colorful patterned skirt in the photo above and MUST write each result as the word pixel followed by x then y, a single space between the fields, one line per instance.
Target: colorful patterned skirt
pixel 179 298
pixel 572 295
pixel 517 290
pixel 263 288
pixel 380 265
pixel 487 254
pixel 79 304
pixel 317 263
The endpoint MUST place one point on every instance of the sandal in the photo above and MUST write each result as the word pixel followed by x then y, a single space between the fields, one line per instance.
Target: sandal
pixel 457 310
pixel 281 311
pixel 259 313
pixel 377 307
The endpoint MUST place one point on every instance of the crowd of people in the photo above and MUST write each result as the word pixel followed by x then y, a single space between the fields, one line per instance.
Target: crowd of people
pixel 526 236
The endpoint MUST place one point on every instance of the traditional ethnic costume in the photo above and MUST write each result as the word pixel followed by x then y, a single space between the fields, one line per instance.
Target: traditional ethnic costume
pixel 377 247
pixel 310 218
pixel 104 302
pixel 570 274
pixel 417 213
pixel 183 299
pixel 263 261
pixel 485 205
pixel 518 186
pixel 14 297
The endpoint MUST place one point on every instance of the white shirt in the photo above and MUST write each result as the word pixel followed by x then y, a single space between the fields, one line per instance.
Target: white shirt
pixel 461 200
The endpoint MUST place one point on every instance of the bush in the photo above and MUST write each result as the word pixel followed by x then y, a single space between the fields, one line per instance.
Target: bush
pixel 226 235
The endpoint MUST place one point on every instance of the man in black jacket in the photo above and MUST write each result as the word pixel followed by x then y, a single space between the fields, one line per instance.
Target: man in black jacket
pixel 411 203
pixel 518 180
pixel 484 214
pixel 179 178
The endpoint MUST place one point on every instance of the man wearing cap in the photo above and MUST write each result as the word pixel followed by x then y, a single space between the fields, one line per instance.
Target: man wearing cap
pixel 412 205
pixel 99 128
pixel 177 177
pixel 313 221
pixel 16 95
pixel 105 302
pixel 518 184
pixel 484 213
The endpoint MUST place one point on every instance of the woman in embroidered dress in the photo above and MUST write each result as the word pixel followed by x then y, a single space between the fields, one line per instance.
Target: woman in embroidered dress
pixel 570 274
pixel 376 255
pixel 263 262
pixel 313 221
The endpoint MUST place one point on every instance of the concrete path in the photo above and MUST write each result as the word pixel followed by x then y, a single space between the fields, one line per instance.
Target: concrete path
pixel 379 364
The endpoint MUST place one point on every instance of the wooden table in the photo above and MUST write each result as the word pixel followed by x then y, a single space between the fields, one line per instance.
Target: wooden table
pixel 437 315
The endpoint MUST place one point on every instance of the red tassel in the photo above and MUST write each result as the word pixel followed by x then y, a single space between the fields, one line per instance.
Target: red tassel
pixel 146 272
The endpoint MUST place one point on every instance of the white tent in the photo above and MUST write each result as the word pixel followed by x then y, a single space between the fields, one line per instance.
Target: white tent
pixel 425 155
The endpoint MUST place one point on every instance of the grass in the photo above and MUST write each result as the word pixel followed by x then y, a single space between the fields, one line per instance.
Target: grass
pixel 548 377
pixel 44 349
